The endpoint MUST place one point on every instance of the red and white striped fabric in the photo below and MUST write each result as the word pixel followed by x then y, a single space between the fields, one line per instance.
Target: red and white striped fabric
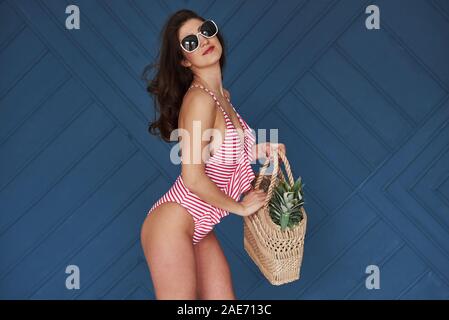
pixel 229 167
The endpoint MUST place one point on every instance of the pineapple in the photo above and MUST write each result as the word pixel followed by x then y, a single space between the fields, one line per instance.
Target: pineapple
pixel 285 204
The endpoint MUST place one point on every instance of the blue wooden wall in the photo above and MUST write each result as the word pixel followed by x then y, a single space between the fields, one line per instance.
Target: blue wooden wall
pixel 363 113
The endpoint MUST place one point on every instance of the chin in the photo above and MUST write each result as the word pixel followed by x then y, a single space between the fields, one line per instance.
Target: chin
pixel 211 58
pixel 214 54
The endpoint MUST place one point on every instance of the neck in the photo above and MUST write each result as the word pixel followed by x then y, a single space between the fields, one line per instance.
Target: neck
pixel 209 77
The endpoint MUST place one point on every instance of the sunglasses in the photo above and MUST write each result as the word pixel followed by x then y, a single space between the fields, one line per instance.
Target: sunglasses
pixel 192 42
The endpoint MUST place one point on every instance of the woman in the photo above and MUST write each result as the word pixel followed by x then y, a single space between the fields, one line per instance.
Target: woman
pixel 183 254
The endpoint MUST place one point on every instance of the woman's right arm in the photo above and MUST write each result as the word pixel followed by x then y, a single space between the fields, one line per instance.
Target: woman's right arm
pixel 196 116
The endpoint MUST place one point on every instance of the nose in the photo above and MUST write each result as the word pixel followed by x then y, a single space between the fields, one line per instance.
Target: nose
pixel 204 41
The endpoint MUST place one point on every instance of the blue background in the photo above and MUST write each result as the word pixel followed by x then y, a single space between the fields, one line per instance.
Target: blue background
pixel 363 113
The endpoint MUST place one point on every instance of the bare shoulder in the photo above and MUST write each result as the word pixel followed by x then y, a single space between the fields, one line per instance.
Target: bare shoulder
pixel 197 104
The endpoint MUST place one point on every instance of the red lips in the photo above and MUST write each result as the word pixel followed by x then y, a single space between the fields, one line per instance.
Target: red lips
pixel 208 50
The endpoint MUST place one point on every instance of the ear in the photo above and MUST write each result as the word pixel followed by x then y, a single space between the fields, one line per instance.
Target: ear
pixel 186 63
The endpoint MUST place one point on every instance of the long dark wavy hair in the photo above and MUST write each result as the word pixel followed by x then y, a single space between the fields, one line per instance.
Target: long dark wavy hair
pixel 172 79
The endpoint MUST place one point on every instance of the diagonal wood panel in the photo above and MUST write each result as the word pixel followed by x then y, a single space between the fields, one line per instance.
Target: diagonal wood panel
pixel 364 115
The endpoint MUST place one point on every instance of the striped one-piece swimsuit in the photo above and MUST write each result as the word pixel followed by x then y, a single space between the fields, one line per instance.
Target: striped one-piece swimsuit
pixel 229 168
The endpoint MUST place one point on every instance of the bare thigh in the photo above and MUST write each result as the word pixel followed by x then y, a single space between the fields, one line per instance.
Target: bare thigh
pixel 213 273
pixel 166 238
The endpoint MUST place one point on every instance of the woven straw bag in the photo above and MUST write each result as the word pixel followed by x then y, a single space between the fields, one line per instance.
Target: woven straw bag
pixel 278 254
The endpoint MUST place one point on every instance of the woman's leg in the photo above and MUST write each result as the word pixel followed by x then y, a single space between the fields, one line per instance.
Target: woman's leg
pixel 166 238
pixel 213 273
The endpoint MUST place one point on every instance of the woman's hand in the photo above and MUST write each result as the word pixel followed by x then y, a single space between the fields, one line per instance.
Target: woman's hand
pixel 252 202
pixel 268 147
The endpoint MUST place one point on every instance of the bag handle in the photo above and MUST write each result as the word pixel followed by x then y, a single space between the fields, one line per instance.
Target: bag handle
pixel 276 172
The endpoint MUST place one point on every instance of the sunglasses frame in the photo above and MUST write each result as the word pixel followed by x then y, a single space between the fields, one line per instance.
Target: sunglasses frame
pixel 198 38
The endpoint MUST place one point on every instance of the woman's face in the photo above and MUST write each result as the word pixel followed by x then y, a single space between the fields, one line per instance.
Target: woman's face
pixel 198 58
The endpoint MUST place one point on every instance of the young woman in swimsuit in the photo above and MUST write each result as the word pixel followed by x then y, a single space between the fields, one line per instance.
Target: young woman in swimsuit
pixel 183 254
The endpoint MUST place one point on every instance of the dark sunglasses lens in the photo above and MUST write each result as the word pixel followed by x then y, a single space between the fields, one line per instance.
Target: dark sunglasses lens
pixel 208 28
pixel 190 42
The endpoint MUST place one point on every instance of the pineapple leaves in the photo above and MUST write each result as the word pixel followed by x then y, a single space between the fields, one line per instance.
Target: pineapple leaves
pixel 285 204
